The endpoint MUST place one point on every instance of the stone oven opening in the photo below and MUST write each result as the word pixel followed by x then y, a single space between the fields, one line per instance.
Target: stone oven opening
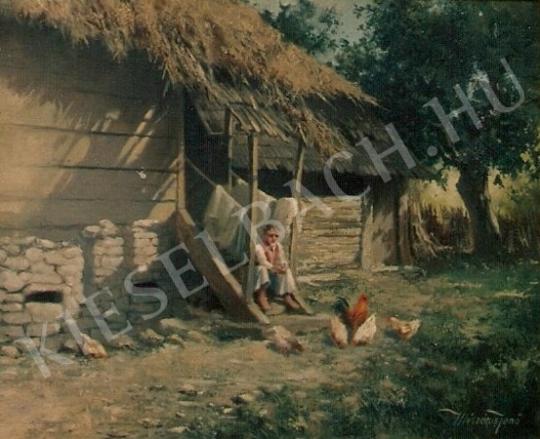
pixel 45 297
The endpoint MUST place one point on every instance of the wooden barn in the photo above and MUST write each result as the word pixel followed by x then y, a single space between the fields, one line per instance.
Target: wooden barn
pixel 117 110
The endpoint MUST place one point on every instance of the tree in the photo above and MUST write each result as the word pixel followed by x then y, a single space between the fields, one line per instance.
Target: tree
pixel 411 52
pixel 305 25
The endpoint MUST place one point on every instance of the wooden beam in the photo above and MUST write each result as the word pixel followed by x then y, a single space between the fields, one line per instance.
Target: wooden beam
pixel 229 139
pixel 179 121
pixel 296 192
pixel 222 282
pixel 253 180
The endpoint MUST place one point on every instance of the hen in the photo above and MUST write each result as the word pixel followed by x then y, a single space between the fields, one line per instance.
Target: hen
pixel 405 330
pixel 92 348
pixel 338 332
pixel 283 340
pixel 365 333
pixel 356 316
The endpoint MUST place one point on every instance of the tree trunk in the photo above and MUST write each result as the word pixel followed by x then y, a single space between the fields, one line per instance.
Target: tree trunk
pixel 473 188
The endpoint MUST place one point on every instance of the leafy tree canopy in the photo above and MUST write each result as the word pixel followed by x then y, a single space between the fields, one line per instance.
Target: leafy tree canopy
pixel 410 52
pixel 306 25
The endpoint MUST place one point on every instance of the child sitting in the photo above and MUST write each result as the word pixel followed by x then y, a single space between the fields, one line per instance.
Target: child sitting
pixel 271 271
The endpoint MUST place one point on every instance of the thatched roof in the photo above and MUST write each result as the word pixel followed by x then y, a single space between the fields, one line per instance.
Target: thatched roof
pixel 225 55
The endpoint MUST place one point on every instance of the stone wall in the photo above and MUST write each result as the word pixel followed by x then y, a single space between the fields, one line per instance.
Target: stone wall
pixel 40 279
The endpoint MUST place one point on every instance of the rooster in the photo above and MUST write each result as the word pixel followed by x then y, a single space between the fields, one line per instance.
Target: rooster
pixel 356 316
pixel 405 330
pixel 365 333
pixel 338 332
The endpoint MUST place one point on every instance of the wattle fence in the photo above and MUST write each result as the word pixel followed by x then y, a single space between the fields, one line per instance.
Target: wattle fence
pixel 451 228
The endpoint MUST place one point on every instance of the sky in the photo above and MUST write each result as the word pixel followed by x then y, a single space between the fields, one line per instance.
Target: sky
pixel 344 9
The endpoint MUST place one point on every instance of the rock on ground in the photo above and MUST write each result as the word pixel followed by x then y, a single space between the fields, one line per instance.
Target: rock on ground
pixel 10 352
pixel 151 337
pixel 172 326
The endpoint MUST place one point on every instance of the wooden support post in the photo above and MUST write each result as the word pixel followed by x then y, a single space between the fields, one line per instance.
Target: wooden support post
pixel 253 142
pixel 229 139
pixel 179 121
pixel 297 188
pixel 295 230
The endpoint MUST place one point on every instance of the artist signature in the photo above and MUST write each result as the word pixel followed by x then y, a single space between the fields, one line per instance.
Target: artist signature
pixel 490 418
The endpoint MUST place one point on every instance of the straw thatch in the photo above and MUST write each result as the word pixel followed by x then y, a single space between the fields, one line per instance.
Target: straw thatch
pixel 222 52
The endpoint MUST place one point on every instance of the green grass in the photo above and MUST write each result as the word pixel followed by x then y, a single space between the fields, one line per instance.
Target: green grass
pixel 441 368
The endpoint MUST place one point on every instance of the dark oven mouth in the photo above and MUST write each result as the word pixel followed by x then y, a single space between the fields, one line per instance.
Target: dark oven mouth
pixel 44 297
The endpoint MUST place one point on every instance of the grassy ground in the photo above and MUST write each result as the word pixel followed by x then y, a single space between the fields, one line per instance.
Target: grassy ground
pixel 472 371
pixel 474 365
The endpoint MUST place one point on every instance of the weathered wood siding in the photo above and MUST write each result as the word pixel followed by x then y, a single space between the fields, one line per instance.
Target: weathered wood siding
pixel 82 137
pixel 372 231
pixel 332 241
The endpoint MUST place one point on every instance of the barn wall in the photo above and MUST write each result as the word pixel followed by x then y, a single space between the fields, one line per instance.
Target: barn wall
pixel 380 227
pixel 329 241
pixel 385 220
pixel 82 137
pixel 371 230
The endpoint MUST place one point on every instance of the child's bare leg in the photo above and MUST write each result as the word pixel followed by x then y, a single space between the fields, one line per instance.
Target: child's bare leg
pixel 261 299
pixel 285 289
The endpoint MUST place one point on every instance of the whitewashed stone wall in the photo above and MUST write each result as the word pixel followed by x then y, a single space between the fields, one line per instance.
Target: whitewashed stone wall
pixel 145 242
pixel 39 280
pixel 66 276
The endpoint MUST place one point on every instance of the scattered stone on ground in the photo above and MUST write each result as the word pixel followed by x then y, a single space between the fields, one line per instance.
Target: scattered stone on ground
pixel 123 341
pixel 70 345
pixel 197 337
pixel 246 398
pixel 150 423
pixel 172 326
pixel 151 337
pixel 188 389
pixel 10 352
pixel 175 340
